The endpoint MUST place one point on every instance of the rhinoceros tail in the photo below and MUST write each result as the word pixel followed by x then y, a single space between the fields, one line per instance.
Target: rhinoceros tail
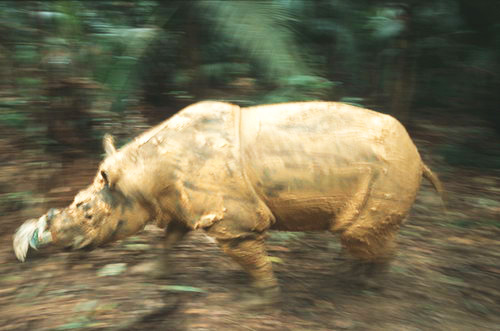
pixel 436 183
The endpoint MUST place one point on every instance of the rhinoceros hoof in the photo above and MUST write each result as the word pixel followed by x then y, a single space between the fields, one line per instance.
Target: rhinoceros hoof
pixel 257 299
pixel 370 275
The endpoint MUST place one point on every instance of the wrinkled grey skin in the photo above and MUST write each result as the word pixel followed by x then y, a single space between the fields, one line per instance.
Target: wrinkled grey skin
pixel 236 173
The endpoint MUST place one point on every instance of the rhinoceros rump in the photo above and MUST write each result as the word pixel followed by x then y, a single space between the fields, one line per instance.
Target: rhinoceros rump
pixel 237 172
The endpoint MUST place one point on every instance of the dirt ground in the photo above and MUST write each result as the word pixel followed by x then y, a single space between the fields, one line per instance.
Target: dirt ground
pixel 445 276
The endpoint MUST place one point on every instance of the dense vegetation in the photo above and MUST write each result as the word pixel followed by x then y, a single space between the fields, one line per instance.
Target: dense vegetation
pixel 68 69
pixel 72 70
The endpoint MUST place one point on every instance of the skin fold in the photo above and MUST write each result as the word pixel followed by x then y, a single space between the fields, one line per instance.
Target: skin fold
pixel 237 172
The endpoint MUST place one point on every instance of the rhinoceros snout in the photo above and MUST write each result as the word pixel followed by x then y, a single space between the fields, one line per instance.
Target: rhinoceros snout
pixel 34 232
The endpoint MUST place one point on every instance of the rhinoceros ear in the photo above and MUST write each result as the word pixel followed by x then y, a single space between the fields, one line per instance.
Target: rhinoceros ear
pixel 108 143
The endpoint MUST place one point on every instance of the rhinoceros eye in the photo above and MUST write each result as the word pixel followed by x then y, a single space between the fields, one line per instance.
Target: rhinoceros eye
pixel 105 177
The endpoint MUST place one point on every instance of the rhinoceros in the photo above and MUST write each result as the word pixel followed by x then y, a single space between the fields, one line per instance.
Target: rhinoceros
pixel 236 173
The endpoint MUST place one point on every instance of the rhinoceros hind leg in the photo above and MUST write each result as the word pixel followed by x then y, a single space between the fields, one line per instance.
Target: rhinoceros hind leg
pixel 370 240
pixel 368 274
pixel 372 237
pixel 174 233
pixel 351 211
pixel 251 255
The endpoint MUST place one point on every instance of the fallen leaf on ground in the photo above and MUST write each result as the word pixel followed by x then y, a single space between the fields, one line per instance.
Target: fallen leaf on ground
pixel 182 288
pixel 112 269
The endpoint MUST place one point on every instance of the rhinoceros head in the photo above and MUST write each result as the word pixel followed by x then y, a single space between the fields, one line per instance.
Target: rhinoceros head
pixel 102 212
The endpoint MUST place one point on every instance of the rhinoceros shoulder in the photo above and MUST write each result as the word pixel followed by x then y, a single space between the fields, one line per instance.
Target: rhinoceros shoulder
pixel 200 112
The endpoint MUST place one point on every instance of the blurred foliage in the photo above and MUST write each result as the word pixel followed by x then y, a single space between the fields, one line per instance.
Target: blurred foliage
pixel 471 155
pixel 70 68
pixel 14 201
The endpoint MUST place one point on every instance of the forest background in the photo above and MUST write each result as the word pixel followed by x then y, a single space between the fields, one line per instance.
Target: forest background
pixel 71 71
pixel 68 68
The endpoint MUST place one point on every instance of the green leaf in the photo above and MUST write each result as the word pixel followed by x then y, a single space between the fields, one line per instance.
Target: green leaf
pixel 275 259
pixel 82 323
pixel 86 306
pixel 14 119
pixel 261 30
pixel 453 281
pixel 182 288
pixel 112 269
pixel 107 306
pixel 138 247
pixel 353 101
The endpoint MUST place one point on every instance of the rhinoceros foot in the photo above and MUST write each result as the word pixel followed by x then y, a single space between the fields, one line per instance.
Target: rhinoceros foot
pixel 267 300
pixel 365 274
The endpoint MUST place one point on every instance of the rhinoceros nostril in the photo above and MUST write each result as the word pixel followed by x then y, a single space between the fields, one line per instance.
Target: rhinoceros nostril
pixel 83 205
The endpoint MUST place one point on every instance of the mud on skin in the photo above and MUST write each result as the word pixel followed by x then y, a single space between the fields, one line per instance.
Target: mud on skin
pixel 237 172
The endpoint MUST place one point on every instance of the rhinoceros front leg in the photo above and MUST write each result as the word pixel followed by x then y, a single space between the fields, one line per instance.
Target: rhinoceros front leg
pixel 251 255
pixel 174 233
